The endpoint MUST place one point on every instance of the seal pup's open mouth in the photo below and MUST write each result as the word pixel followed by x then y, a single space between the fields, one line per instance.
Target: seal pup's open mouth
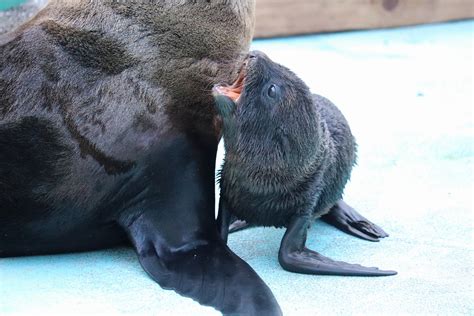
pixel 235 90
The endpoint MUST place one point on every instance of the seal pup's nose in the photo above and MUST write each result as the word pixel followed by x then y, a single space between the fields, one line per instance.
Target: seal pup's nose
pixel 256 54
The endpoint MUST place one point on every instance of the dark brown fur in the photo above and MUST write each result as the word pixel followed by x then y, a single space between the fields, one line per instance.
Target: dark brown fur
pixel 289 155
pixel 107 133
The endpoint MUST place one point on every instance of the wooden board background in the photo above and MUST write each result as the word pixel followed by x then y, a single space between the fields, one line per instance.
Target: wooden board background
pixel 290 17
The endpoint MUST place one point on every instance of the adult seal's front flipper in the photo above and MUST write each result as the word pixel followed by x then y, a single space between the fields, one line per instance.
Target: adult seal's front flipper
pixel 345 218
pixel 200 266
pixel 295 257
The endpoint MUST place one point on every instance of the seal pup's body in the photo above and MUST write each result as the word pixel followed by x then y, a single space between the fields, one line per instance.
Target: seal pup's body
pixel 288 157
pixel 107 134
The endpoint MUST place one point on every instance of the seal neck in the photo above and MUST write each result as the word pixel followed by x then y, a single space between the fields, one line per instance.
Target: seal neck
pixel 263 171
pixel 181 47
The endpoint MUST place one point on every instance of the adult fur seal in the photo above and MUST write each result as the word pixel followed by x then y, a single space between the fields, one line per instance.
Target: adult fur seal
pixel 107 134
pixel 288 157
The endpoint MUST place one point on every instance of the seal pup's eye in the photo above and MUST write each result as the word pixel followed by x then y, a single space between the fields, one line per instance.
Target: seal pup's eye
pixel 273 91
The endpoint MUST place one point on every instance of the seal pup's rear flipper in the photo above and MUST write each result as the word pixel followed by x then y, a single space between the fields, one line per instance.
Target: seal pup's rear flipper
pixel 202 268
pixel 295 257
pixel 346 219
pixel 238 225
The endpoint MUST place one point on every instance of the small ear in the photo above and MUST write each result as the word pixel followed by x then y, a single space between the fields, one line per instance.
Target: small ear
pixel 283 142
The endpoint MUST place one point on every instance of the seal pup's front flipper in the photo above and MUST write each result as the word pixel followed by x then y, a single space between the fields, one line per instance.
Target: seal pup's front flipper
pixel 346 219
pixel 224 218
pixel 295 257
pixel 228 223
pixel 202 268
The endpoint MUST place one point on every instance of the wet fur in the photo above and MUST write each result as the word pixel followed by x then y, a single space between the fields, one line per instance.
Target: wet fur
pixel 285 157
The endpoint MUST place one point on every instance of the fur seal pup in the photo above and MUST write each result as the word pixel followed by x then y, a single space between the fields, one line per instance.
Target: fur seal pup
pixel 107 135
pixel 288 157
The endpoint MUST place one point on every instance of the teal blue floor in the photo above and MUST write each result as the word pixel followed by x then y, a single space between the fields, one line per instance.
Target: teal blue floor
pixel 408 95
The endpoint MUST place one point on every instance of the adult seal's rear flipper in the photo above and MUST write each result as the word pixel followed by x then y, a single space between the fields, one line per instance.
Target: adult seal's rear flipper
pixel 201 268
pixel 346 219
pixel 295 257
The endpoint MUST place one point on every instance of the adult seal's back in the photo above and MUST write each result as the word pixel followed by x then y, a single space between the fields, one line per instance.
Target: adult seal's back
pixel 108 134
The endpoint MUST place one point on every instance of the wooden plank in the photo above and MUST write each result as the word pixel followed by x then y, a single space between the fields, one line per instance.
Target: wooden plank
pixel 289 17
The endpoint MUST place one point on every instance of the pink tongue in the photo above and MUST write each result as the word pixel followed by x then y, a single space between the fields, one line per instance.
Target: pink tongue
pixel 234 94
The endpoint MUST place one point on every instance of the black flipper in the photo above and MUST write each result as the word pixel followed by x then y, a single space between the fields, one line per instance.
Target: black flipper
pixel 345 218
pixel 224 217
pixel 228 223
pixel 202 268
pixel 238 225
pixel 295 257
pixel 172 226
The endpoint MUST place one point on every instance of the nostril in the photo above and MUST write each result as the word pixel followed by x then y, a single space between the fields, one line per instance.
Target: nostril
pixel 252 55
pixel 256 54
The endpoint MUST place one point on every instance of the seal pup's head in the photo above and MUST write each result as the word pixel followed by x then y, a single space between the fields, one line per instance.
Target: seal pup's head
pixel 270 122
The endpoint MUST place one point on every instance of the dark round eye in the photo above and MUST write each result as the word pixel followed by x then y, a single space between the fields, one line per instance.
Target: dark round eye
pixel 273 91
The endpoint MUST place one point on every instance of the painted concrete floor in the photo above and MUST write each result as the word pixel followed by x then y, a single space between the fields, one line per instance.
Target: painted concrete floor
pixel 408 95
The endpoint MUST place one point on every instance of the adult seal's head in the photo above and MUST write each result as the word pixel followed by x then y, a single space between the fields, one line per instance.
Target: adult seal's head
pixel 269 120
